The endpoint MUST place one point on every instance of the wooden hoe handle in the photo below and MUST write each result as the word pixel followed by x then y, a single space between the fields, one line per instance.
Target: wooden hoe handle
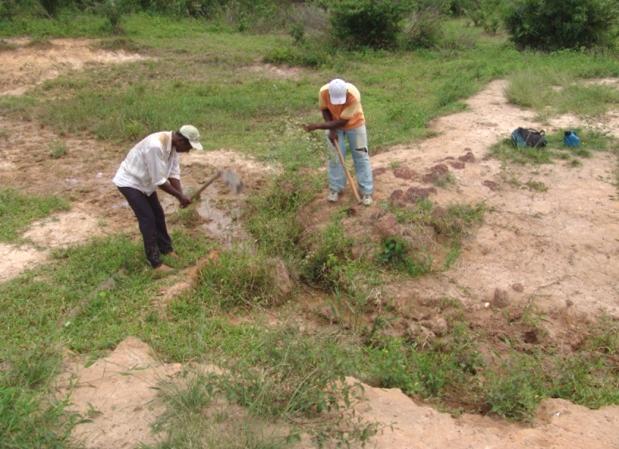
pixel 351 181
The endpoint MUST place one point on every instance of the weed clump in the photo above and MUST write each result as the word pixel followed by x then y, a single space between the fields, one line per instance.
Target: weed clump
pixel 239 278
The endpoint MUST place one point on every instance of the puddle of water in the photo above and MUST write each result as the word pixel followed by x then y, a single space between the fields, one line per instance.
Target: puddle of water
pixel 218 223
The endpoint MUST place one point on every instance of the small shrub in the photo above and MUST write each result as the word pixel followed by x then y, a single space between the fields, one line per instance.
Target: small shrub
pixel 422 29
pixel 297 31
pixel 8 9
pixel 50 6
pixel 516 392
pixel 57 150
pixel 325 265
pixel 396 254
pixel 366 23
pixel 484 13
pixel 113 11
pixel 555 24
pixel 238 278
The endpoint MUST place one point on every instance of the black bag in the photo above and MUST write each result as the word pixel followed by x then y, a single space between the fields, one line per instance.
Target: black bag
pixel 526 137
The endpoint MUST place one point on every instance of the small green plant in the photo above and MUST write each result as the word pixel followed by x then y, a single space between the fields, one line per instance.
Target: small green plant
pixel 537 186
pixel 113 12
pixel 395 253
pixel 57 150
pixel 238 278
pixel 444 180
pixel 325 264
pixel 516 392
pixel 297 31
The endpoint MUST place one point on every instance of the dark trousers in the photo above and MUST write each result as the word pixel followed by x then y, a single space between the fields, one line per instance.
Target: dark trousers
pixel 151 219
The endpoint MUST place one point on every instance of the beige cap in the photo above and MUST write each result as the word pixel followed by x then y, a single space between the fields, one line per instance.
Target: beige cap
pixel 192 134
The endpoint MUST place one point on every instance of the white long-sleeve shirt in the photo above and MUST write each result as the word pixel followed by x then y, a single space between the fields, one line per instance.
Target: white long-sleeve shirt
pixel 149 164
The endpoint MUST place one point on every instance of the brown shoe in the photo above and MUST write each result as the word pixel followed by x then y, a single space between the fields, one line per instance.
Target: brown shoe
pixel 162 270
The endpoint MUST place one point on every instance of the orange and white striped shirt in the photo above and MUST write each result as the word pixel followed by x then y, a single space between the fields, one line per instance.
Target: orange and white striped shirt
pixel 351 110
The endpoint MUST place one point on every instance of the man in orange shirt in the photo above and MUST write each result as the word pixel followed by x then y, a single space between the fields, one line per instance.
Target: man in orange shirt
pixel 340 104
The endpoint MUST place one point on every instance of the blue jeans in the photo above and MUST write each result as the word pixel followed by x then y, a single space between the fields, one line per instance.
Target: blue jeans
pixel 358 144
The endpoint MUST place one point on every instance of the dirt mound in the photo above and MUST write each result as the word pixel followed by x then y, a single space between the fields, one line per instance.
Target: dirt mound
pixel 118 395
pixel 29 63
pixel 559 424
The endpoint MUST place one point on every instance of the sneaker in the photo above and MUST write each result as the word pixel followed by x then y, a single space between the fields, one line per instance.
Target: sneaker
pixel 332 198
pixel 366 200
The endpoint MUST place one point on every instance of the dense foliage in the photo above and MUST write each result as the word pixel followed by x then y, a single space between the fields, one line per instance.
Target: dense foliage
pixel 555 24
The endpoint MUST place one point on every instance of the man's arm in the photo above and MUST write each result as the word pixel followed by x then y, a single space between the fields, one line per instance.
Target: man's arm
pixel 173 187
pixel 329 124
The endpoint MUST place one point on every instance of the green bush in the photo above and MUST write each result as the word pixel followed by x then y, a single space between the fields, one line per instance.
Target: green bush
pixel 366 23
pixel 484 13
pixel 50 6
pixel 8 9
pixel 422 29
pixel 113 11
pixel 556 24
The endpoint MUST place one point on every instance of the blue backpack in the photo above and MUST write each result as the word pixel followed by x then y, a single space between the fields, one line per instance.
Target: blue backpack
pixel 570 139
pixel 523 137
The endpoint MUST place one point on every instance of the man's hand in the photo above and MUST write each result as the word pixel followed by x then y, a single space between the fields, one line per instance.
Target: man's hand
pixel 309 127
pixel 333 137
pixel 184 200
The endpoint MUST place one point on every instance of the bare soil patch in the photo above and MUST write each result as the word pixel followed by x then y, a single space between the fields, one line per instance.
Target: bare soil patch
pixel 16 259
pixel 30 63
pixel 65 229
pixel 118 395
pixel 405 424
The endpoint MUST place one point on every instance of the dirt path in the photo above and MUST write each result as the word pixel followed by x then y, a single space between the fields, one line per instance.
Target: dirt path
pixel 557 247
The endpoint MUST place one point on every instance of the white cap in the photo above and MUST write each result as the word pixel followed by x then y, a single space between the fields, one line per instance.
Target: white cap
pixel 337 91
pixel 192 134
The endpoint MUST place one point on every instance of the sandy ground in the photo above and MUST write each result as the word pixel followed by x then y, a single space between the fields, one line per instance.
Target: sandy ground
pixel 30 63
pixel 118 394
pixel 559 424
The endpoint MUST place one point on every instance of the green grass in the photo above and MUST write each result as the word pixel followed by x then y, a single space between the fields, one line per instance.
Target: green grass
pixel 57 150
pixel 591 141
pixel 551 92
pixel 238 109
pixel 19 209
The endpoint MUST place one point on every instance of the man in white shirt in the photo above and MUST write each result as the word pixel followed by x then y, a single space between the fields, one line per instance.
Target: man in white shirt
pixel 154 163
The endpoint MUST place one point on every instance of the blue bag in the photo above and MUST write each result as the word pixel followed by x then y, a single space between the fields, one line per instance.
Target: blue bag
pixel 570 139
